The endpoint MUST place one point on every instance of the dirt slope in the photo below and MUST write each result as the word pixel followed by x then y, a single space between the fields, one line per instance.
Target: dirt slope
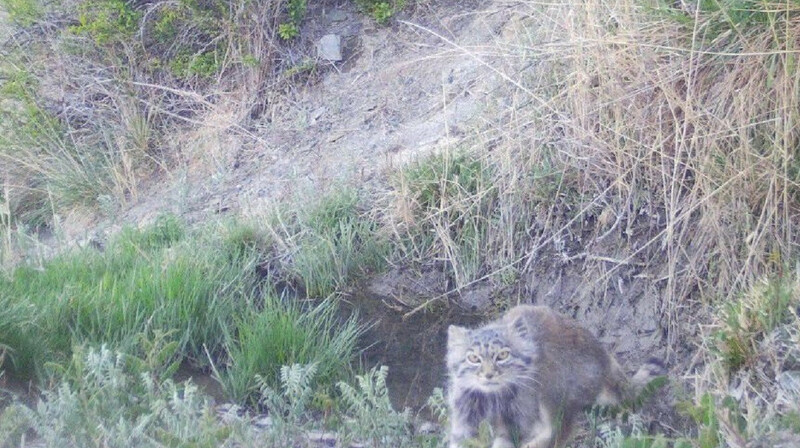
pixel 401 91
pixel 420 85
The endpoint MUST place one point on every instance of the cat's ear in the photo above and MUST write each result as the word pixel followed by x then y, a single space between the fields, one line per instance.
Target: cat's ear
pixel 519 326
pixel 456 335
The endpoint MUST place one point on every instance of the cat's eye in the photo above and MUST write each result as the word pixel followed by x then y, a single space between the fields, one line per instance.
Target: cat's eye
pixel 503 355
pixel 473 358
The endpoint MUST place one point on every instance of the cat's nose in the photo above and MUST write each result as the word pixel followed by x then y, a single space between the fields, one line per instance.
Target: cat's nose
pixel 489 375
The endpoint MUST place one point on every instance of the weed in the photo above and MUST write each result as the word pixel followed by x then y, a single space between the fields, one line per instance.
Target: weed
pixel 23 12
pixel 40 161
pixel 288 31
pixel 447 205
pixel 437 404
pixel 296 11
pixel 284 333
pixel 704 413
pixel 243 239
pixel 371 415
pixel 104 399
pixel 107 21
pixel 744 322
pixel 14 423
pixel 203 65
pixel 328 242
pixel 289 404
pixel 752 346
pixel 612 436
pixel 88 144
pixel 381 11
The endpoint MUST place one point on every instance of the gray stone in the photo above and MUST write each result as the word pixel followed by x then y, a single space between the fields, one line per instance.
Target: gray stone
pixel 428 428
pixel 329 47
pixel 263 422
pixel 322 438
pixel 337 15
pixel 477 298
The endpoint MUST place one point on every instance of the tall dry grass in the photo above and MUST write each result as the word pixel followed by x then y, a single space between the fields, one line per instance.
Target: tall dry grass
pixel 672 131
pixel 688 120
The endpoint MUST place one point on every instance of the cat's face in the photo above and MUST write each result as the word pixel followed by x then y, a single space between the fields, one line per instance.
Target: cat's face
pixel 488 359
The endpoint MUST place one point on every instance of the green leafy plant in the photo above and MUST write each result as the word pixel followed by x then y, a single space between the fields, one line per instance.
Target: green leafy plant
pixel 296 10
pixel 107 21
pixel 381 11
pixel 289 405
pixel 371 415
pixel 288 31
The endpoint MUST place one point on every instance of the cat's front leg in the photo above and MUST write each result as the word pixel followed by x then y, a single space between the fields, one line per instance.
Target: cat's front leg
pixel 460 430
pixel 501 433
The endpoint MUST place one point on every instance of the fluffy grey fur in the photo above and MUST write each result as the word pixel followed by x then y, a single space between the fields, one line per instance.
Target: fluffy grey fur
pixel 529 374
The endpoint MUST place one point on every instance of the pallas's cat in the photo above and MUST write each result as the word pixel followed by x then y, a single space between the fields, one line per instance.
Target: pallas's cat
pixel 529 374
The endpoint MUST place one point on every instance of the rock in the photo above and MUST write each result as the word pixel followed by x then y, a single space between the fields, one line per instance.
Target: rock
pixel 336 15
pixel 263 422
pixel 322 438
pixel 477 298
pixel 428 428
pixel 330 47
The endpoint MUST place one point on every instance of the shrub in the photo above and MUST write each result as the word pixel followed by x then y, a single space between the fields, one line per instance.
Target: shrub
pixel 104 400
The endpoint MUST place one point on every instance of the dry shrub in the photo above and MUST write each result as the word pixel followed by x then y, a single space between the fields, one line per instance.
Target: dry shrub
pixel 687 118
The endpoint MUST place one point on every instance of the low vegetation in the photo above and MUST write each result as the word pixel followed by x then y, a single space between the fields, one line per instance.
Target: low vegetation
pixel 194 291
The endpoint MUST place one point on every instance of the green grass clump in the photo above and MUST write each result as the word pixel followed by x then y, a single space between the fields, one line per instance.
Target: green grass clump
pixel 746 321
pixel 23 12
pixel 154 280
pixel 328 243
pixel 446 208
pixel 282 333
pixel 381 11
pixel 43 168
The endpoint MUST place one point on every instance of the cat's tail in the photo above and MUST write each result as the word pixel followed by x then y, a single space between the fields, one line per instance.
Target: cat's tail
pixel 645 382
pixel 648 372
pixel 622 389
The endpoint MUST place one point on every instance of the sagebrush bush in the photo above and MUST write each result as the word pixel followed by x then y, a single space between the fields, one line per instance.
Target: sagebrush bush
pixel 104 399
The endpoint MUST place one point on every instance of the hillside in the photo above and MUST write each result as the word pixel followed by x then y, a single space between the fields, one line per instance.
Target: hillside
pixel 183 181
